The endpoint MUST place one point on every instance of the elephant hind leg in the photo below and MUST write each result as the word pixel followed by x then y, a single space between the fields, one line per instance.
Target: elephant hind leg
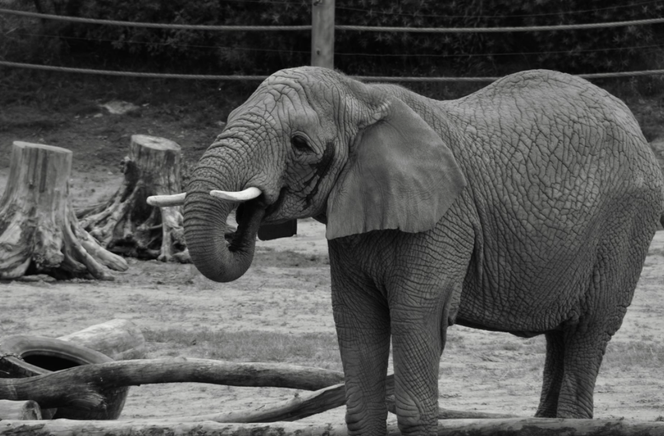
pixel 609 294
pixel 553 375
pixel 582 356
pixel 573 358
pixel 575 353
pixel 619 259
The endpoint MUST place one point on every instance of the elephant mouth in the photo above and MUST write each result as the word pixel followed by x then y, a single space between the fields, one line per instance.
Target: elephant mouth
pixel 276 206
pixel 246 213
pixel 246 216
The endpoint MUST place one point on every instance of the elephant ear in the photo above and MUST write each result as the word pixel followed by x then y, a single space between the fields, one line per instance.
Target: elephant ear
pixel 400 175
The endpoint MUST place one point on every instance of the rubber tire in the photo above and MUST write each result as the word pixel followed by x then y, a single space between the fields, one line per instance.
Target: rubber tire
pixel 50 355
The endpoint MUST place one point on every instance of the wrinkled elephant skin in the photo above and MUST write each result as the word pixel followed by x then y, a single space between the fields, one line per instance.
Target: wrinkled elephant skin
pixel 526 207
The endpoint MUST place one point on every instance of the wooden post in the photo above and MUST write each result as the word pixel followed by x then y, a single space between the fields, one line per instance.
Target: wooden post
pixel 322 33
pixel 39 232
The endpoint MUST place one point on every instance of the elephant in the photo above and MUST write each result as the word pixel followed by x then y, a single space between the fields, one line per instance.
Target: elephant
pixel 526 207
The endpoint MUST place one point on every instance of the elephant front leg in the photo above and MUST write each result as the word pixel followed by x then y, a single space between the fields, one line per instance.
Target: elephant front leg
pixel 418 342
pixel 363 330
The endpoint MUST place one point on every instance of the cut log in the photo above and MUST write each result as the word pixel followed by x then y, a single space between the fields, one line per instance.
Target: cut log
pixel 82 385
pixel 119 339
pixel 461 427
pixel 39 232
pixel 19 410
pixel 126 224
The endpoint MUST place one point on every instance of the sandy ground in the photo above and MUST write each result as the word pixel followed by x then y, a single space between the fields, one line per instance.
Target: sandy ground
pixel 287 291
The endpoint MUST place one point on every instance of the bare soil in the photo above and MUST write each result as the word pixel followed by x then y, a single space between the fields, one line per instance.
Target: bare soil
pixel 286 291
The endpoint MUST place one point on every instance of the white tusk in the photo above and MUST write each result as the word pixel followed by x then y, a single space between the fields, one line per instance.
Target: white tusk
pixel 166 200
pixel 247 194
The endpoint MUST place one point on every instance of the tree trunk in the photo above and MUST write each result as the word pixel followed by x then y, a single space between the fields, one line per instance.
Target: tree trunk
pixel 126 224
pixel 82 385
pixel 19 410
pixel 119 339
pixel 39 232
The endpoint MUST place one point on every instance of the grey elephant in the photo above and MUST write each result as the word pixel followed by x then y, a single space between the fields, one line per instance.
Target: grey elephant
pixel 526 207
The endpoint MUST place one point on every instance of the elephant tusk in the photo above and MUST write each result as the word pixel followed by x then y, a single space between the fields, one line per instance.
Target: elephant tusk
pixel 166 200
pixel 247 194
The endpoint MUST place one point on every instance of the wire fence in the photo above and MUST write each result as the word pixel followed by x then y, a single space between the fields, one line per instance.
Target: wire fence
pixel 299 28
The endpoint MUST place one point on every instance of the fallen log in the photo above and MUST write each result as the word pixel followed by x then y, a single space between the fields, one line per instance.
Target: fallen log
pixel 80 386
pixel 126 224
pixel 19 410
pixel 39 232
pixel 119 339
pixel 312 403
pixel 461 427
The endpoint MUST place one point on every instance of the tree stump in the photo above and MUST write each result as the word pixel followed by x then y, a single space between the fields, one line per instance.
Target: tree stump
pixel 126 224
pixel 39 232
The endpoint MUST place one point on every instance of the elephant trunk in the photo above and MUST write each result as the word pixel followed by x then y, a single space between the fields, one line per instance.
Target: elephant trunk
pixel 218 254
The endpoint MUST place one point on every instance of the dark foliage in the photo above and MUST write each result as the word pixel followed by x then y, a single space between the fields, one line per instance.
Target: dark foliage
pixel 375 53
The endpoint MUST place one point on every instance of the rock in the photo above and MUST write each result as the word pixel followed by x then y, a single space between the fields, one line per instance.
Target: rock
pixel 117 107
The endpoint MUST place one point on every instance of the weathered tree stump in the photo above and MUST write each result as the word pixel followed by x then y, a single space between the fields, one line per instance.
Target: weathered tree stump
pixel 39 232
pixel 126 224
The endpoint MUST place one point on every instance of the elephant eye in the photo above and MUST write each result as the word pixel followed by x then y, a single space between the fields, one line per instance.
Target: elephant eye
pixel 300 144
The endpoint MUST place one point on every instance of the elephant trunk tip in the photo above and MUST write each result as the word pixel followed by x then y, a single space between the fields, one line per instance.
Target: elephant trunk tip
pixel 205 232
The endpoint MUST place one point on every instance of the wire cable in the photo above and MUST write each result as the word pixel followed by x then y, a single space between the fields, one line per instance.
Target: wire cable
pixel 262 77
pixel 550 14
pixel 152 25
pixel 130 73
pixel 526 53
pixel 340 26
pixel 500 29
pixel 337 53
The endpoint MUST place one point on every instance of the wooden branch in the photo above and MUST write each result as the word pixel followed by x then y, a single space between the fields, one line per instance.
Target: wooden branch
pixel 313 403
pixel 461 427
pixel 80 386
pixel 301 406
pixel 20 410
pixel 453 414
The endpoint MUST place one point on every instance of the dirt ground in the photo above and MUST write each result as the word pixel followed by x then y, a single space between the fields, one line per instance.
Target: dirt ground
pixel 287 291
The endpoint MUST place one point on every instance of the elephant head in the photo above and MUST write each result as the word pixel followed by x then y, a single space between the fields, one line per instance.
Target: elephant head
pixel 311 142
